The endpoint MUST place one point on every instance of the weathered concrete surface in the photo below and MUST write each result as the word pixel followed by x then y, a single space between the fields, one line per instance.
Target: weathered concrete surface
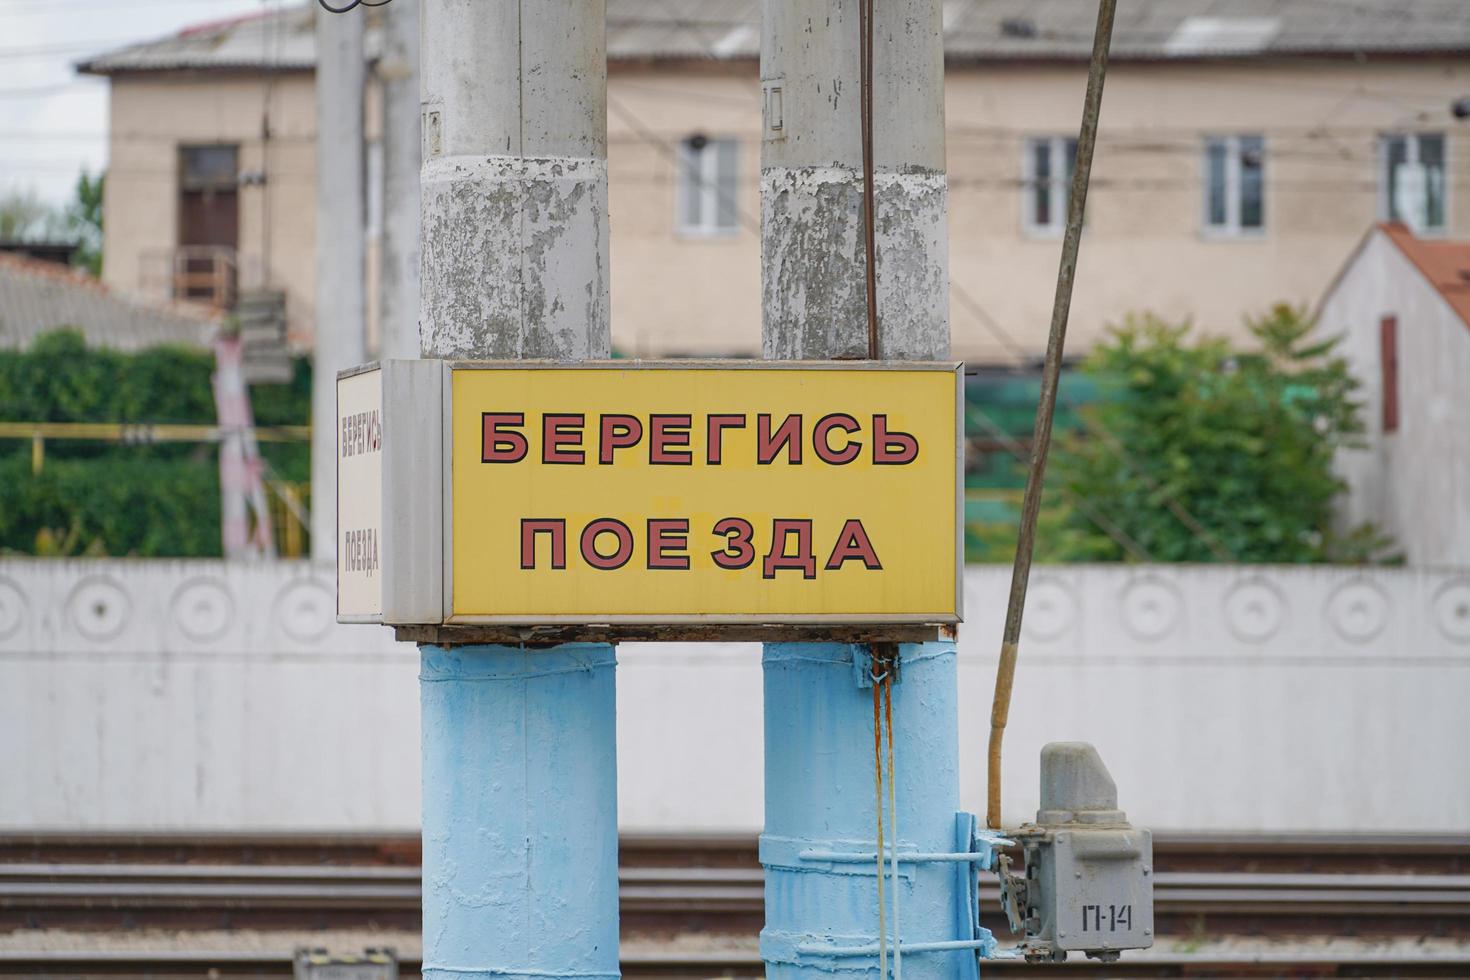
pixel 812 252
pixel 813 305
pixel 814 301
pixel 519 799
pixel 517 249
pixel 514 185
pixel 341 309
pixel 811 47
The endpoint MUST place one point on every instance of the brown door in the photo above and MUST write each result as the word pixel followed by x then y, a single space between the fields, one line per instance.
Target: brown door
pixel 209 223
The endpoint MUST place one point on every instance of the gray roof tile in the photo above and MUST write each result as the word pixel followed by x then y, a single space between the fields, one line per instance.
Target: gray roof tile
pixel 976 30
pixel 36 297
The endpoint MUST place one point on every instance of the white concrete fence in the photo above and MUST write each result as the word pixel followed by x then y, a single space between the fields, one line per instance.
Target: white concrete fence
pixel 200 695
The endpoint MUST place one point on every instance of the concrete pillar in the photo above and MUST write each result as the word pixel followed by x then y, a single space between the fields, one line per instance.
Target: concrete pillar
pixel 519 813
pixel 820 797
pixel 812 257
pixel 340 340
pixel 519 758
pixel 818 722
pixel 398 71
pixel 514 182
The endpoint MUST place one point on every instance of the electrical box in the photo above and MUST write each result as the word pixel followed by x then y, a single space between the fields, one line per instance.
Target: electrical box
pixel 1087 881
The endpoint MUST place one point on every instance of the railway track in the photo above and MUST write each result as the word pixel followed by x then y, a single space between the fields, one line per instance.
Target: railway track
pixel 1379 889
pixel 134 886
pixel 741 965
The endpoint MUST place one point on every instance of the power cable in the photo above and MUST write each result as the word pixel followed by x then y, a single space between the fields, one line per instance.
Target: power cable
pixel 351 4
pixel 865 108
pixel 893 811
pixel 879 679
pixel 1046 410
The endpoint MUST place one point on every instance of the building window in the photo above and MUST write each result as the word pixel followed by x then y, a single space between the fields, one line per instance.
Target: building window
pixel 1235 185
pixel 208 168
pixel 1388 361
pixel 1413 180
pixel 708 186
pixel 1048 182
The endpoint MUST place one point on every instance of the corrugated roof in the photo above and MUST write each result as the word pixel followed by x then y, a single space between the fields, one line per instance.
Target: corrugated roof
pixel 39 296
pixel 1445 264
pixel 974 30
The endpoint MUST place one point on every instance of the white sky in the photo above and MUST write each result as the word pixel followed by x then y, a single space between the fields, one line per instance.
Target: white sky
pixel 53 122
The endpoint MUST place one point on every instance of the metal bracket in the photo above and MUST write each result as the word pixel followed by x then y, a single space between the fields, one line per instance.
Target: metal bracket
pixel 865 668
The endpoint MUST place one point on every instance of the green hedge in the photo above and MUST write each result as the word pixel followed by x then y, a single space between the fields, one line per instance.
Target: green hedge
pixel 148 501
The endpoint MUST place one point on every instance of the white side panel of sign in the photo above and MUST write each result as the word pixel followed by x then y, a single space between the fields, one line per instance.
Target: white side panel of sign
pixel 413 489
pixel 390 460
pixel 360 461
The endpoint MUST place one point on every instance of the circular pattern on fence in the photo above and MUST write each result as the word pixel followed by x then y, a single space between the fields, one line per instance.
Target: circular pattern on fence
pixel 1051 609
pixel 1150 608
pixel 1254 610
pixel 1357 610
pixel 98 608
pixel 203 609
pixel 305 609
pixel 1451 611
pixel 12 608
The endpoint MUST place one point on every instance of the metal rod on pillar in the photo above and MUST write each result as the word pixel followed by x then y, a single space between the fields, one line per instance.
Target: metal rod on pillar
pixel 819 760
pixel 519 776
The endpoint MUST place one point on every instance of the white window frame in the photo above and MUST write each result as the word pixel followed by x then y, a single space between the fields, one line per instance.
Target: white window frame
pixel 1411 155
pixel 1058 184
pixel 703 167
pixel 1232 228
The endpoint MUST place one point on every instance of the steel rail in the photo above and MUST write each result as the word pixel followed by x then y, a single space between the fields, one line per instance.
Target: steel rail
pixel 38 886
pixel 742 964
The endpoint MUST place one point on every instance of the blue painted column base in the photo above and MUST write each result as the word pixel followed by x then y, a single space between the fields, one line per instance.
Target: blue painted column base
pixel 519 813
pixel 820 798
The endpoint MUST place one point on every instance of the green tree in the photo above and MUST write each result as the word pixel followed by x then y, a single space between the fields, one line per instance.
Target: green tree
pixel 26 217
pixel 84 221
pixel 1240 441
pixel 148 500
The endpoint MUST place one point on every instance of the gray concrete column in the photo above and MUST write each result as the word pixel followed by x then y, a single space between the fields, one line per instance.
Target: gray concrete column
pixel 519 745
pixel 819 751
pixel 514 211
pixel 341 315
pixel 812 260
pixel 398 71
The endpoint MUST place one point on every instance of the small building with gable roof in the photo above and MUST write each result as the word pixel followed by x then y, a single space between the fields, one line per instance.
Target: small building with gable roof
pixel 1402 306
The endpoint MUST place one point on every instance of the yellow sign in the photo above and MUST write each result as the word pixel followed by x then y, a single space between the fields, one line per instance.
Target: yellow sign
pixel 694 492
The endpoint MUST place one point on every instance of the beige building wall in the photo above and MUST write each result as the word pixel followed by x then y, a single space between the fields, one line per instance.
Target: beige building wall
pixel 152 116
pixel 1145 247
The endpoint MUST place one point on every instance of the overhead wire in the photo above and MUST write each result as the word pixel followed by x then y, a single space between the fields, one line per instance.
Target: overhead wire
pixel 350 5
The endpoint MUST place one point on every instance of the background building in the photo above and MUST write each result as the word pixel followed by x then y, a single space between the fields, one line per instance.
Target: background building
pixel 1402 306
pixel 1240 157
